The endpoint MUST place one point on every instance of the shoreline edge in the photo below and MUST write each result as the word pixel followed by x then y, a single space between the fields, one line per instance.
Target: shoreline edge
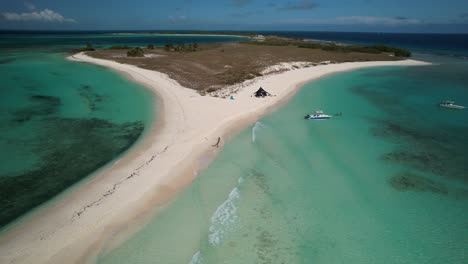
pixel 118 199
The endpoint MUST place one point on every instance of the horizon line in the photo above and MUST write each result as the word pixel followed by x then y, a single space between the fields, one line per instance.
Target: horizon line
pixel 216 30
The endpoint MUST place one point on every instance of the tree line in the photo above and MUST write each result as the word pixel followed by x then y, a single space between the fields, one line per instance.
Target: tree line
pixel 398 52
pixel 181 47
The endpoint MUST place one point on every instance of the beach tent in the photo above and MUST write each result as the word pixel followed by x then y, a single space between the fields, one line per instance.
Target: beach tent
pixel 261 93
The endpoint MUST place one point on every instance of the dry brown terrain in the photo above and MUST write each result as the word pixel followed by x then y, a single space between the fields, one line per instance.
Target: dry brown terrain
pixel 219 65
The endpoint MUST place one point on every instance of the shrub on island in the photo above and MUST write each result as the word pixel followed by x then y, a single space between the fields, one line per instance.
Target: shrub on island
pixel 88 47
pixel 181 47
pixel 136 52
pixel 150 46
pixel 399 52
pixel 402 52
pixel 168 47
pixel 117 47
pixel 376 49
pixel 280 41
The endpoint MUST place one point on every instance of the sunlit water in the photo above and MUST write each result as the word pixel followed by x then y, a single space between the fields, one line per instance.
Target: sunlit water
pixel 60 122
pixel 385 182
pixel 63 120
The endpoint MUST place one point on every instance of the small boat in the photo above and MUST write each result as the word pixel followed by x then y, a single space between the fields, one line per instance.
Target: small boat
pixel 451 105
pixel 319 115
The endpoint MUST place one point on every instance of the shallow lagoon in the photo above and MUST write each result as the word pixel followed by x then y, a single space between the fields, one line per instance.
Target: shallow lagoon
pixel 62 120
pixel 369 186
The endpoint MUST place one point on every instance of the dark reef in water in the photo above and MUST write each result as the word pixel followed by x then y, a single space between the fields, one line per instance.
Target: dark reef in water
pixel 44 98
pixel 414 182
pixel 265 247
pixel 430 150
pixel 260 180
pixel 56 73
pixel 7 60
pixel 90 97
pixel 41 105
pixel 392 129
pixel 268 246
pixel 69 149
pixel 423 161
pixel 422 143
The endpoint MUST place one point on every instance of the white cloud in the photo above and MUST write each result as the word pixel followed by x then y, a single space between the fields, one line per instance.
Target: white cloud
pixel 356 20
pixel 45 15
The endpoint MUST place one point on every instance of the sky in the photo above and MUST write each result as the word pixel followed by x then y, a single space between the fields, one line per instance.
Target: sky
pixel 409 16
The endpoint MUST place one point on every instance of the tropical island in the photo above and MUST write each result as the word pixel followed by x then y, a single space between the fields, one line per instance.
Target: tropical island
pixel 233 132
pixel 205 94
pixel 209 67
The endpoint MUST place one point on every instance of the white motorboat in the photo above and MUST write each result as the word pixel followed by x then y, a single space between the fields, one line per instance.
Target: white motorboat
pixel 319 115
pixel 451 105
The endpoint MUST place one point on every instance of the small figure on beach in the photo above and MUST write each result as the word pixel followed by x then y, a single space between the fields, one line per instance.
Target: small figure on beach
pixel 217 143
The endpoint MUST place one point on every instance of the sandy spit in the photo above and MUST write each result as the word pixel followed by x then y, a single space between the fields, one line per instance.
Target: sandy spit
pixel 90 217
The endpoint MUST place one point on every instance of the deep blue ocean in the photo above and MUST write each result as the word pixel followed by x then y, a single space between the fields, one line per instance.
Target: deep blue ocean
pixel 65 41
pixel 435 44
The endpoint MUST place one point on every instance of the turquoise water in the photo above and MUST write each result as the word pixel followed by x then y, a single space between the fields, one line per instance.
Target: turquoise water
pixel 62 120
pixel 386 182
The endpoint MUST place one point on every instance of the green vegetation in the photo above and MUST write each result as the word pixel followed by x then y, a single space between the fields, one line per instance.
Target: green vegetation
pixel 376 49
pixel 399 52
pixel 191 47
pixel 310 46
pixel 88 47
pixel 351 48
pixel 150 46
pixel 117 47
pixel 227 33
pixel 136 52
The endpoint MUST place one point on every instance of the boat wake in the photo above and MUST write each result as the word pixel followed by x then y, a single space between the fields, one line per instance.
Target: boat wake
pixel 255 129
pixel 196 258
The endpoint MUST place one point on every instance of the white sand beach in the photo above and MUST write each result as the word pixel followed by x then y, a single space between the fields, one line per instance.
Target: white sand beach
pixel 118 199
